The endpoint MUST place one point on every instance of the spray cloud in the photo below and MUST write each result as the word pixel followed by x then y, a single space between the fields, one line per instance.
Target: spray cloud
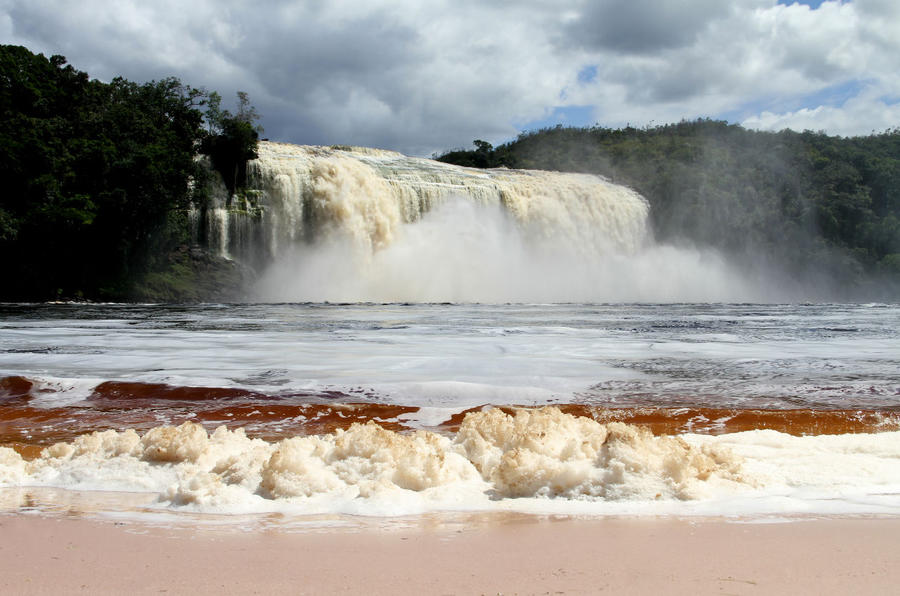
pixel 354 225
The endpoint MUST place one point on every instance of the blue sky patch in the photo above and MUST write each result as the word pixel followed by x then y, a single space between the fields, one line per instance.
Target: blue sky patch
pixel 813 4
pixel 587 75
pixel 834 96
pixel 577 116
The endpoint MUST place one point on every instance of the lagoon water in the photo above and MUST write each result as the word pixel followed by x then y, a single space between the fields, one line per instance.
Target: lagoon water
pixel 826 356
pixel 422 337
pixel 391 409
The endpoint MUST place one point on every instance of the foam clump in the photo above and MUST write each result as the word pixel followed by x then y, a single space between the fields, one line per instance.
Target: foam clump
pixel 218 470
pixel 12 466
pixel 540 453
pixel 175 444
pixel 364 459
pixel 548 453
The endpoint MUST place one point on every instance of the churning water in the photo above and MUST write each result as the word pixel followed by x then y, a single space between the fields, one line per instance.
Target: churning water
pixel 474 361
pixel 401 408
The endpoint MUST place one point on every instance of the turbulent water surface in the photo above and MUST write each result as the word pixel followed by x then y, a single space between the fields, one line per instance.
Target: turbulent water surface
pixel 403 408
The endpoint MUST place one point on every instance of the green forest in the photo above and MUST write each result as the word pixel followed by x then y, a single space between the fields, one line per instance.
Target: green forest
pixel 98 178
pixel 821 208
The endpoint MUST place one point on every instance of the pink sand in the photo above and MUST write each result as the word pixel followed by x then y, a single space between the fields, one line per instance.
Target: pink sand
pixel 509 555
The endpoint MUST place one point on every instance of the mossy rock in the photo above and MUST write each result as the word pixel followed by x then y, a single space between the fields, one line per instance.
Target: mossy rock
pixel 193 275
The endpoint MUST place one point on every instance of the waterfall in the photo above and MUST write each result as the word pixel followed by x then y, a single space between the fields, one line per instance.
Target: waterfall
pixel 369 195
pixel 358 224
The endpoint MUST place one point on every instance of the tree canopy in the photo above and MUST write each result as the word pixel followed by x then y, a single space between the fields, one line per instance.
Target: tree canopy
pixel 232 139
pixel 93 172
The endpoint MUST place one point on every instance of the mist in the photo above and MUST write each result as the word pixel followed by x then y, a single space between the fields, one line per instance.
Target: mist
pixel 466 252
pixel 361 225
pixel 801 216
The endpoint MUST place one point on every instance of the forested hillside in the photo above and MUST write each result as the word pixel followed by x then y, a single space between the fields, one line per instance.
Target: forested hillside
pixel 814 205
pixel 97 177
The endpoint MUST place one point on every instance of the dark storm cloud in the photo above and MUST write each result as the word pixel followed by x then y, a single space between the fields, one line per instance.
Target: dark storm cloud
pixel 643 26
pixel 304 68
pixel 293 58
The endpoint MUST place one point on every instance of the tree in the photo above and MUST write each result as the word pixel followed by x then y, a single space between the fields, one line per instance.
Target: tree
pixel 91 170
pixel 246 112
pixel 235 141
pixel 214 113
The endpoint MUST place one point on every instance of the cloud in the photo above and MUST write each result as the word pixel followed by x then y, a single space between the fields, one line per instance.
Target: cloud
pixel 421 77
pixel 642 26
pixel 756 54
pixel 872 106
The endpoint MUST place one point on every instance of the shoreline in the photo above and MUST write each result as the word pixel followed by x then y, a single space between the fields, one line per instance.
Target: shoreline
pixel 447 554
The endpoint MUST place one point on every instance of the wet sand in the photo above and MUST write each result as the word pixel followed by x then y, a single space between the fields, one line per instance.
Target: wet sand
pixel 499 554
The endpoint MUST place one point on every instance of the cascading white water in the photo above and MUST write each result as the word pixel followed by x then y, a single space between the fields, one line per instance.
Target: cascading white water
pixel 367 195
pixel 357 224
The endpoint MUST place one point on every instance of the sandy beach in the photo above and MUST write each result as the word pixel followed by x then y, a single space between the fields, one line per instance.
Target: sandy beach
pixel 495 555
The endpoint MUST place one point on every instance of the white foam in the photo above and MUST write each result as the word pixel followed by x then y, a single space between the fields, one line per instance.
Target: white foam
pixel 535 461
pixel 466 355
pixel 427 416
pixel 55 392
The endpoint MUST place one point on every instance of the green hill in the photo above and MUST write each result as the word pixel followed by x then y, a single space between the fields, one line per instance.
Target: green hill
pixel 818 207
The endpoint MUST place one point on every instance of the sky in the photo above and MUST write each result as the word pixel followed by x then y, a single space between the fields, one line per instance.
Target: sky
pixel 422 77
